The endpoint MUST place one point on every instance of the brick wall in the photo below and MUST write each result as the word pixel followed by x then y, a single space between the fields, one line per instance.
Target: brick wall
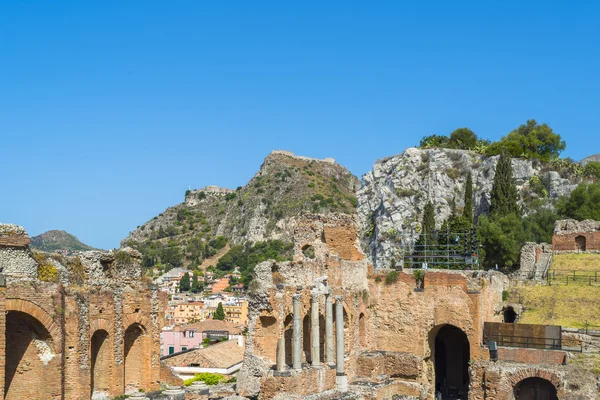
pixel 567 242
pixel 445 280
pixel 531 356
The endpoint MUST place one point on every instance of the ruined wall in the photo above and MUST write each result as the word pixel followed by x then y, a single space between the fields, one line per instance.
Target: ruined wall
pixel 571 236
pixel 67 334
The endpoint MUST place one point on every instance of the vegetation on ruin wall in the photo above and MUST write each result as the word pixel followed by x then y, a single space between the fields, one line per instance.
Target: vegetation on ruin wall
pixel 247 256
pixel 206 377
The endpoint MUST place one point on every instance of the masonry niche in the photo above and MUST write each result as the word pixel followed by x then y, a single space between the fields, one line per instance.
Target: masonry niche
pixel 451 354
pixel 137 358
pixel 100 371
pixel 32 365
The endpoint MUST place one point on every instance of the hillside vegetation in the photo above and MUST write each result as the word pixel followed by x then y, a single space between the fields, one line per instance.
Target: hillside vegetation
pixel 262 210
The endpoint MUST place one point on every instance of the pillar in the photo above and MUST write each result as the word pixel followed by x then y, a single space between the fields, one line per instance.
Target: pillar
pixel 329 329
pixel 340 377
pixel 297 333
pixel 315 349
pixel 280 354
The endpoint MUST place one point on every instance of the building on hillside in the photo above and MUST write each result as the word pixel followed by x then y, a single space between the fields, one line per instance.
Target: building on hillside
pixel 236 313
pixel 169 281
pixel 189 312
pixel 220 285
pixel 571 236
pixel 238 288
pixel 184 337
pixel 222 358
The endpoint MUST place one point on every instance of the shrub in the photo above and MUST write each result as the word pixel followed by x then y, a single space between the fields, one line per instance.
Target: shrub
pixel 406 192
pixel 391 277
pixel 207 377
pixel 308 251
pixel 47 273
pixel 504 295
pixel 278 279
pixel 419 276
pixel 452 173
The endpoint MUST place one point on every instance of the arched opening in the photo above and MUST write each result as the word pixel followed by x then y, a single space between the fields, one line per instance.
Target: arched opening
pixel 510 316
pixel 535 389
pixel 306 338
pixel 32 367
pixel 137 358
pixel 100 373
pixel 580 243
pixel 288 335
pixel 451 355
pixel 362 334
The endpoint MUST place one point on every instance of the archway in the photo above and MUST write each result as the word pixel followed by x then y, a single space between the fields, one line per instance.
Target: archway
pixel 100 373
pixel 32 369
pixel 137 358
pixel 535 389
pixel 510 316
pixel 267 334
pixel 451 355
pixel 580 243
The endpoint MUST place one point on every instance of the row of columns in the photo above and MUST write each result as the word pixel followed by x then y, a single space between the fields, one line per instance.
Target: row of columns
pixel 315 334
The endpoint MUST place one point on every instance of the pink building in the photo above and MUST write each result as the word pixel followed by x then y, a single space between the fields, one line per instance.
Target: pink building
pixel 181 338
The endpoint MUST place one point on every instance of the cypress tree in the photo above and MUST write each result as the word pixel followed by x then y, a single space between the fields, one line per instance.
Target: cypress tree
pixel 220 313
pixel 468 211
pixel 184 283
pixel 428 225
pixel 504 192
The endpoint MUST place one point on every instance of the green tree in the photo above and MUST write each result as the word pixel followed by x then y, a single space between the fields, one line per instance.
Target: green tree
pixel 462 138
pixel 434 141
pixel 428 224
pixel 196 286
pixel 582 203
pixel 504 192
pixel 591 170
pixel 219 313
pixel 184 283
pixel 501 237
pixel 530 140
pixel 539 226
pixel 468 210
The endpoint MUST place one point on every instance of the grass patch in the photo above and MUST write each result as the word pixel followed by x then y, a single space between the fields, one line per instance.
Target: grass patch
pixel 576 262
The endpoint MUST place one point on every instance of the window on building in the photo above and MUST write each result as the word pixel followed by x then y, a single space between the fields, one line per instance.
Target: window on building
pixel 191 333
pixel 183 348
pixel 183 333
pixel 171 350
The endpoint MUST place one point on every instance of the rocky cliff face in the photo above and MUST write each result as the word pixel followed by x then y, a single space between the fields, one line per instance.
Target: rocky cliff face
pixel 58 240
pixel 395 191
pixel 285 187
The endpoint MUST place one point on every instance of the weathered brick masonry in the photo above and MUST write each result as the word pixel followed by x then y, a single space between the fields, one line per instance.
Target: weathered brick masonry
pixel 95 329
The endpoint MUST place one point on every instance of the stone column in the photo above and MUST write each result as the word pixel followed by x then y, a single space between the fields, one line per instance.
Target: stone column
pixel 329 329
pixel 340 377
pixel 174 393
pixel 314 330
pixel 297 333
pixel 280 354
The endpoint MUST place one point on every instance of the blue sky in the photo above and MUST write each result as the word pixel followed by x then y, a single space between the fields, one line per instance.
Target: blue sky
pixel 109 110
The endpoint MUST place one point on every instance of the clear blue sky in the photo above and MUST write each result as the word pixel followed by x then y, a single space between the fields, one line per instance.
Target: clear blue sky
pixel 109 110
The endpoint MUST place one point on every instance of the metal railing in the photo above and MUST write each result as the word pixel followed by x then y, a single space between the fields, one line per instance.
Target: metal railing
pixel 527 342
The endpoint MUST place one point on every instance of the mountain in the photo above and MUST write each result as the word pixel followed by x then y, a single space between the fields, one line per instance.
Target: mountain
pixel 58 240
pixel 266 208
pixel 593 157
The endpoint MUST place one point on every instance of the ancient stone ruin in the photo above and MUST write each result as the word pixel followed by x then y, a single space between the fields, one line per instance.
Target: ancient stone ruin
pixel 75 327
pixel 571 236
pixel 330 324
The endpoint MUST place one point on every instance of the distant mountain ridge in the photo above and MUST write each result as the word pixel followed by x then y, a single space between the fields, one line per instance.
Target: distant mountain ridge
pixel 58 240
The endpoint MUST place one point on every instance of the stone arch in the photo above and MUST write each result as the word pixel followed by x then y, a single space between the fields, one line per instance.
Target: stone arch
pixel 137 355
pixel 36 312
pixel 267 333
pixel 101 324
pixel 32 365
pixel 450 353
pixel 100 362
pixel 535 388
pixel 581 243
pixel 515 378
